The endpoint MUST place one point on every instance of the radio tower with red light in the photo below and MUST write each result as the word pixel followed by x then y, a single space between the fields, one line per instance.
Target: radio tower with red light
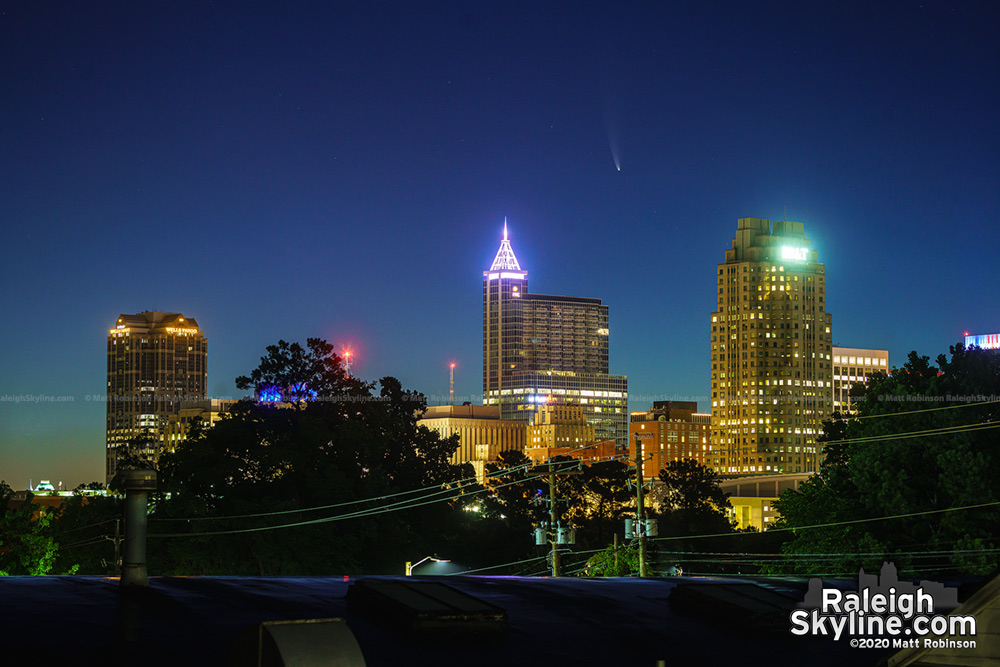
pixel 346 354
pixel 451 393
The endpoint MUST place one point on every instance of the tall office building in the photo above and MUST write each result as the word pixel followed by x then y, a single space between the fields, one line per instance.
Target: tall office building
pixel 771 352
pixel 540 349
pixel 156 361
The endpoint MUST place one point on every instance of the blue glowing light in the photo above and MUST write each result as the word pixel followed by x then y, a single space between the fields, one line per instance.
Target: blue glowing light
pixel 293 394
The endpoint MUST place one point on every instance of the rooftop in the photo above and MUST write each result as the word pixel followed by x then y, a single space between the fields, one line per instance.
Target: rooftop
pixel 196 620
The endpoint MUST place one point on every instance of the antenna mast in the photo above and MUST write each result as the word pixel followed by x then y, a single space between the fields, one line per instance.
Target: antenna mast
pixel 451 392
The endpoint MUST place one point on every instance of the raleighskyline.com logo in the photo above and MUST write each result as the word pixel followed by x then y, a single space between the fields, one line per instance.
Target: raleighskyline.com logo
pixel 885 613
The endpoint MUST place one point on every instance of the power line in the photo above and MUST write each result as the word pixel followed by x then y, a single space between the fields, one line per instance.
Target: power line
pixel 906 572
pixel 316 508
pixel 385 509
pixel 832 523
pixel 393 507
pixel 819 554
pixel 93 540
pixel 494 567
pixel 513 470
pixel 941 557
pixel 70 530
pixel 500 473
pixel 914 412
pixel 947 430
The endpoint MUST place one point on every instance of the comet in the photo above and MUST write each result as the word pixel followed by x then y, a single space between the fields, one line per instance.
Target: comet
pixel 613 143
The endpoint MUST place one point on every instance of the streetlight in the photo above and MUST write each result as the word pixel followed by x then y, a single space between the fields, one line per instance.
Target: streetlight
pixel 410 566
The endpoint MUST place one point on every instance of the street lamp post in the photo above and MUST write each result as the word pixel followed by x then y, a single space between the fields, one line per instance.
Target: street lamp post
pixel 410 566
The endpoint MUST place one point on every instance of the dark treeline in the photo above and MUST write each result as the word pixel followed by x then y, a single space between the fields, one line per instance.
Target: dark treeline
pixel 347 483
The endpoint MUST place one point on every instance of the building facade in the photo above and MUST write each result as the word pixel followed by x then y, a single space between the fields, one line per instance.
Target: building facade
pixel 540 349
pixel 482 435
pixel 563 430
pixel 985 341
pixel 207 412
pixel 670 431
pixel 156 361
pixel 557 425
pixel 851 365
pixel 771 350
pixel 752 498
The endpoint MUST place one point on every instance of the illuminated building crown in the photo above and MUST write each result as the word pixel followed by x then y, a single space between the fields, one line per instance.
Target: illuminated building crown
pixel 505 259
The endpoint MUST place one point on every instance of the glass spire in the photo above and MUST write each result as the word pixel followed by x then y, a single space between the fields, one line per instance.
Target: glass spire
pixel 505 259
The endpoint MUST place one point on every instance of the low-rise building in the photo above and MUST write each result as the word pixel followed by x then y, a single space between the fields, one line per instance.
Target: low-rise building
pixel 482 435
pixel 753 498
pixel 852 365
pixel 563 430
pixel 207 411
pixel 670 431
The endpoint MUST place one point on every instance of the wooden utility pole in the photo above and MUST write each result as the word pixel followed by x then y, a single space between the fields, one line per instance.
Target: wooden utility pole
pixel 616 554
pixel 549 470
pixel 640 513
pixel 553 521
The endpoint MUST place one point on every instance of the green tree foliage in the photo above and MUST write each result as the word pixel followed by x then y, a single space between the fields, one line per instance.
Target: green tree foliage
pixel 612 562
pixel 141 452
pixel 600 499
pixel 915 467
pixel 344 444
pixel 593 497
pixel 515 491
pixel 691 505
pixel 689 485
pixel 85 527
pixel 26 542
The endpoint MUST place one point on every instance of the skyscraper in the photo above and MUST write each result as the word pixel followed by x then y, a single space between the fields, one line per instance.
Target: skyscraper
pixel 540 349
pixel 771 352
pixel 155 361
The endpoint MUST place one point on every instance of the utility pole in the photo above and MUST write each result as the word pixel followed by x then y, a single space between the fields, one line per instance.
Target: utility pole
pixel 554 532
pixel 616 554
pixel 640 513
pixel 118 547
pixel 553 521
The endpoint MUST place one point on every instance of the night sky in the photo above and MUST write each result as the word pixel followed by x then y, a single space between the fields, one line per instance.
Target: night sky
pixel 344 169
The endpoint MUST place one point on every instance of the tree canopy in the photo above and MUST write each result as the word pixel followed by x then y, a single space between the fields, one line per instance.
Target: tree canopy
pixel 26 542
pixel 923 444
pixel 323 464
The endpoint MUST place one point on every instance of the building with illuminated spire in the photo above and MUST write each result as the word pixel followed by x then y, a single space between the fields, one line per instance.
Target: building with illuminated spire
pixel 540 349
pixel 156 363
pixel 771 346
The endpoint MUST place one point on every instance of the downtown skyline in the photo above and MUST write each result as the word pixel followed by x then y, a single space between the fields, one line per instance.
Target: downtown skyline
pixel 346 174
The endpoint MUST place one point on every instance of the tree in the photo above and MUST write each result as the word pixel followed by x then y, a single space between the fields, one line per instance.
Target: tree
pixel 26 543
pixel 899 456
pixel 298 373
pixel 691 486
pixel 599 500
pixel 141 452
pixel 620 562
pixel 332 444
pixel 85 526
pixel 692 505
